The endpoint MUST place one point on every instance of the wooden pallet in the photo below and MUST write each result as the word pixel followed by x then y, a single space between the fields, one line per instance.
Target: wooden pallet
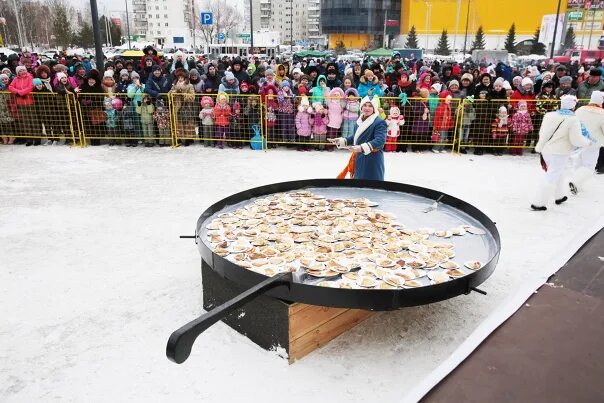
pixel 269 322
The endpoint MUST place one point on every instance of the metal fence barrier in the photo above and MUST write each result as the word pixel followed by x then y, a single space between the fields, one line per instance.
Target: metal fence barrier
pixel 270 121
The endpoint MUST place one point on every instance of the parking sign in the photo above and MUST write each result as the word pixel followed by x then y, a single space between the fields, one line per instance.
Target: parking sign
pixel 206 18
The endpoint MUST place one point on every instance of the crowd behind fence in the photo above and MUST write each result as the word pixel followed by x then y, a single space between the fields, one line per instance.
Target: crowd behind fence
pixel 270 121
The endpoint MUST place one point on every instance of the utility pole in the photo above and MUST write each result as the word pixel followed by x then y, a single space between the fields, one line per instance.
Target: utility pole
pixel 591 28
pixel 98 46
pixel 384 41
pixel 551 52
pixel 251 29
pixel 193 23
pixel 456 24
pixel 127 24
pixel 291 25
pixel 465 39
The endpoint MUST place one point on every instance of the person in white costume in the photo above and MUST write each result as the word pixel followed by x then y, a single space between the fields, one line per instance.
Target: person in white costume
pixel 559 136
pixel 592 117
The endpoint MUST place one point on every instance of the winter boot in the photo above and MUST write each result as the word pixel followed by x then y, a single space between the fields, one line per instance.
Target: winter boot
pixel 561 200
pixel 542 197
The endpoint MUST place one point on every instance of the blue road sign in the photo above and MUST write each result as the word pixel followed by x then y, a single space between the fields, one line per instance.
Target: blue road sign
pixel 221 36
pixel 206 18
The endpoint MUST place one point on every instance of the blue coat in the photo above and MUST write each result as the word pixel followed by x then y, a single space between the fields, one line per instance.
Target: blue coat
pixel 370 166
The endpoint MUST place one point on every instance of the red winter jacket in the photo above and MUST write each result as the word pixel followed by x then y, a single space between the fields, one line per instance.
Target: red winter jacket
pixel 529 98
pixel 22 87
pixel 222 116
pixel 443 118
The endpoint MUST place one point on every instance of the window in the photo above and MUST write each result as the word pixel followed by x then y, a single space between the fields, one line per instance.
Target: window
pixel 166 24
pixel 157 15
pixel 165 15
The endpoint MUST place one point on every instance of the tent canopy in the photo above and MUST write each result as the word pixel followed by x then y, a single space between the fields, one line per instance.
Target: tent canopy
pixel 381 52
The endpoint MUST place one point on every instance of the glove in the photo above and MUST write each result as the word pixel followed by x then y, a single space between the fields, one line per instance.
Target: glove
pixel 543 163
pixel 340 142
pixel 403 97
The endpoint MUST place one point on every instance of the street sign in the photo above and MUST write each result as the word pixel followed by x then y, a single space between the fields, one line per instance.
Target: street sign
pixel 243 35
pixel 206 18
pixel 221 36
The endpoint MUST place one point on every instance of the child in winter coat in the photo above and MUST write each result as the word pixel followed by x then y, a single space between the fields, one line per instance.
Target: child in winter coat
pixel 270 113
pixel 285 112
pixel 421 121
pixel 319 125
pixel 304 124
pixel 395 121
pixel 206 116
pixel 235 128
pixel 222 118
pixel 162 120
pixel 111 122
pixel 351 112
pixel 443 121
pixel 522 125
pixel 334 112
pixel 499 130
pixel 469 115
pixel 251 116
pixel 145 110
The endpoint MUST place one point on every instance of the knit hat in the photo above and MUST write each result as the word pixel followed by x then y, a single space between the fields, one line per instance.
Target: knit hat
pixel 134 75
pixel 445 94
pixel 503 109
pixel 193 72
pixel 207 100
pixel 506 85
pixel 243 86
pixel 229 76
pixel 61 75
pixel 37 81
pixel 286 83
pixel 568 102
pixel 269 71
pixel 526 81
pixel 595 72
pixel 453 82
pixel 124 72
pixel 499 81
pixel 3 76
pixel 566 79
pixel 437 86
pixel 155 67
pixel 297 70
pixel 108 73
pixel 597 97
pixel 20 69
pixel 467 76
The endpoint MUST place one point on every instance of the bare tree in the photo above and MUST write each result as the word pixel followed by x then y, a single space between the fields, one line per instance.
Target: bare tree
pixel 226 19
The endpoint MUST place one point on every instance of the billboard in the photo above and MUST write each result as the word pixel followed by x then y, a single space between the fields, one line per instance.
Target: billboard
pixel 116 19
pixel 548 23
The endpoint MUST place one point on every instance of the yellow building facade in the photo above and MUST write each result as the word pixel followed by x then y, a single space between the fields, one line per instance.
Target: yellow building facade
pixel 495 16
pixel 432 16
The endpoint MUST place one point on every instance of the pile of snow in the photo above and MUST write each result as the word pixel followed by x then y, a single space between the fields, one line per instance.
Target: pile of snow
pixel 94 278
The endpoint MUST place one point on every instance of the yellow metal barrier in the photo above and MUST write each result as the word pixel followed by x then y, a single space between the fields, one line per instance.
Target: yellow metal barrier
pixel 117 119
pixel 37 116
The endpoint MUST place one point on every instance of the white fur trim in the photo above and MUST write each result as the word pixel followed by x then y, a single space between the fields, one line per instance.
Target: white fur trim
pixel 366 147
pixel 363 125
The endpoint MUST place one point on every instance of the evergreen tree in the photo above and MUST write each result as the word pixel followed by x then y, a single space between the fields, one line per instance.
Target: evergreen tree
pixel 569 40
pixel 443 44
pixel 479 42
pixel 61 27
pixel 116 34
pixel 510 40
pixel 538 48
pixel 85 38
pixel 412 39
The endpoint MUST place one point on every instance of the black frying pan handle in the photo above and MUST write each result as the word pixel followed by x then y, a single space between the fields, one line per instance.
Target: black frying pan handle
pixel 181 341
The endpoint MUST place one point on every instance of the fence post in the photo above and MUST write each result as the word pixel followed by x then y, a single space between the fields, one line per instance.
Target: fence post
pixel 69 98
pixel 172 120
pixel 459 123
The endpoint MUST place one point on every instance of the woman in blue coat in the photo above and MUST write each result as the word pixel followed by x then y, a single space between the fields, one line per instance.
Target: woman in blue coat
pixel 367 142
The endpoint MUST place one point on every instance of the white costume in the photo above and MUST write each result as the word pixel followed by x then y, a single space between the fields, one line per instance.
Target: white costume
pixel 559 136
pixel 592 117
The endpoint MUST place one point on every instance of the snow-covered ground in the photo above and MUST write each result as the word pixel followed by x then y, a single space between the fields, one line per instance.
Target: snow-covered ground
pixel 93 277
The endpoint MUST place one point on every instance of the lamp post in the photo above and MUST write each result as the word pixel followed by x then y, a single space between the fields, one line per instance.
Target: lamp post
pixel 18 18
pixel 456 24
pixel 465 38
pixel 551 52
pixel 428 12
pixel 128 24
pixel 251 30
pixel 98 45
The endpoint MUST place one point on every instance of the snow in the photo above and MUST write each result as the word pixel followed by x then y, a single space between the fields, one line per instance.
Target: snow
pixel 94 277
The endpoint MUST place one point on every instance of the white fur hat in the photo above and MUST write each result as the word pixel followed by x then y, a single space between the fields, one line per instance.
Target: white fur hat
pixel 568 102
pixel 506 85
pixel 373 101
pixel 597 97
pixel 526 81
pixel 61 75
pixel 437 86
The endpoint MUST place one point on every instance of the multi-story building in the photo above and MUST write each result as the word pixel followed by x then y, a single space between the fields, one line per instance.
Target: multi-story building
pixel 294 20
pixel 164 22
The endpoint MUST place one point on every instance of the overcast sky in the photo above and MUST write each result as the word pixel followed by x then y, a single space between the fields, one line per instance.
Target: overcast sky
pixel 120 5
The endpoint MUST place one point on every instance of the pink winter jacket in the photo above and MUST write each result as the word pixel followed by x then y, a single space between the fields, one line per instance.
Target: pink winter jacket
pixel 334 108
pixel 22 87
pixel 522 123
pixel 303 123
